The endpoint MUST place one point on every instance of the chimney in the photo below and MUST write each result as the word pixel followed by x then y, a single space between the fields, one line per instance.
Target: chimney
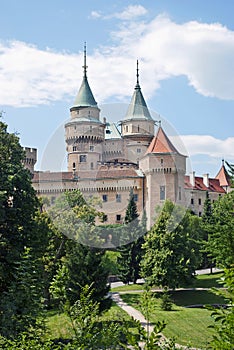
pixel 192 178
pixel 206 180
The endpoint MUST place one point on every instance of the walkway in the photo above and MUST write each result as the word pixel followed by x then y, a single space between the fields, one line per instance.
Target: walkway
pixel 137 315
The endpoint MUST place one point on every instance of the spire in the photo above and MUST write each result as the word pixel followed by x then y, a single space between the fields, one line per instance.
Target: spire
pixel 161 143
pixel 85 65
pixel 85 97
pixel 138 108
pixel 223 176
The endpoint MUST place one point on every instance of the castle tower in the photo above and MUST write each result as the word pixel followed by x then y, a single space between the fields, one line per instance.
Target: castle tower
pixel 84 132
pixel 164 168
pixel 224 178
pixel 30 158
pixel 138 126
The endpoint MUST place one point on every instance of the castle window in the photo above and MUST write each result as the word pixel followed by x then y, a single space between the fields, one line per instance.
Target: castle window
pixel 118 217
pixel 162 193
pixel 138 128
pixel 161 161
pixel 192 201
pixel 199 214
pixel 118 198
pixel 74 166
pixel 135 197
pixel 199 201
pixel 83 158
pixel 126 127
pixel 91 165
pixel 138 150
pixel 74 148
pixel 179 193
pixel 104 197
pixel 91 128
pixel 104 218
pixel 91 148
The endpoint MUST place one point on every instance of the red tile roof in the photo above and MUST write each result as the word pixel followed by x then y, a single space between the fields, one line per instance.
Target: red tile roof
pixel 223 177
pixel 214 185
pixel 161 144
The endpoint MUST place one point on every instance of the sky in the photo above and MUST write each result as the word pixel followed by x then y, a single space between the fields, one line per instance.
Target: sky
pixel 185 50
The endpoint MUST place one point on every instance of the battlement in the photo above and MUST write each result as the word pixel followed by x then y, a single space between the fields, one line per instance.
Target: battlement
pixel 30 158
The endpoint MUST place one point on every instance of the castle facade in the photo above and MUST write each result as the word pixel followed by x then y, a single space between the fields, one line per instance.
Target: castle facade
pixel 106 161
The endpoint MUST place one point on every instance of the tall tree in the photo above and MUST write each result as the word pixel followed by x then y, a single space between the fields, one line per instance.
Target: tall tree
pixel 221 232
pixel 207 220
pixel 83 262
pixel 131 252
pixel 231 172
pixel 171 251
pixel 19 249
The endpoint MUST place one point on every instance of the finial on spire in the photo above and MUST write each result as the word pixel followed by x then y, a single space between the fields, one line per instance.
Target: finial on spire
pixel 85 66
pixel 222 162
pixel 137 75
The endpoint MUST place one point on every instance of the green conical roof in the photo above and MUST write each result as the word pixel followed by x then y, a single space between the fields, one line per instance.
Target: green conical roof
pixel 138 108
pixel 85 97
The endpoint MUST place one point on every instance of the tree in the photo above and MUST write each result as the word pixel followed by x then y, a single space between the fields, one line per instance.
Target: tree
pixel 207 220
pixel 82 264
pixel 131 252
pixel 171 251
pixel 231 172
pixel 223 337
pixel 20 252
pixel 220 231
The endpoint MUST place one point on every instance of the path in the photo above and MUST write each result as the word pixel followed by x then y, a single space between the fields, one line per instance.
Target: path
pixel 137 315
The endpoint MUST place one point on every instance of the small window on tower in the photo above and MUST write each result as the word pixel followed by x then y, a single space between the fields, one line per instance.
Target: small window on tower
pixel 91 148
pixel 161 161
pixel 118 217
pixel 91 128
pixel 126 127
pixel 104 198
pixel 118 198
pixel 74 148
pixel 74 166
pixel 135 197
pixel 179 193
pixel 83 158
pixel 138 150
pixel 162 193
pixel 138 128
pixel 91 165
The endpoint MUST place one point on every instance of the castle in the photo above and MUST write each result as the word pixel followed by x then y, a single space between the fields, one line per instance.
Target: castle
pixel 107 162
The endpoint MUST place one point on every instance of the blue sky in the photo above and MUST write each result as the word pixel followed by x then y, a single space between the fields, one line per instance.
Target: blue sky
pixel 186 54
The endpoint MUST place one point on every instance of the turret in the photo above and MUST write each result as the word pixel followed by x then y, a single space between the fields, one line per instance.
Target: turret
pixel 164 168
pixel 84 131
pixel 137 127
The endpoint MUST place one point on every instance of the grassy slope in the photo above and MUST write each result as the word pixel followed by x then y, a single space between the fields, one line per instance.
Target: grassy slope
pixel 189 326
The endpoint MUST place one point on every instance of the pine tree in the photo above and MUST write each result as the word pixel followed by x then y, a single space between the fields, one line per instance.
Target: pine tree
pixel 131 252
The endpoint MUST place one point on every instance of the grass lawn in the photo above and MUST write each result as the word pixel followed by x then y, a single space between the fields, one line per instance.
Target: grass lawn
pixel 200 281
pixel 189 326
pixel 59 325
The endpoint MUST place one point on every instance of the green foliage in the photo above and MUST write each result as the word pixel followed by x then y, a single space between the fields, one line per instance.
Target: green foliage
pixel 221 233
pixel 81 264
pixel 166 302
pixel 131 251
pixel 171 248
pixel 21 243
pixel 231 172
pixel 224 318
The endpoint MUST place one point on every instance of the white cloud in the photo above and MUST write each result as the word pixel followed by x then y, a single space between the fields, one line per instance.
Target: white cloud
pixel 209 146
pixel 204 53
pixel 95 14
pixel 131 12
